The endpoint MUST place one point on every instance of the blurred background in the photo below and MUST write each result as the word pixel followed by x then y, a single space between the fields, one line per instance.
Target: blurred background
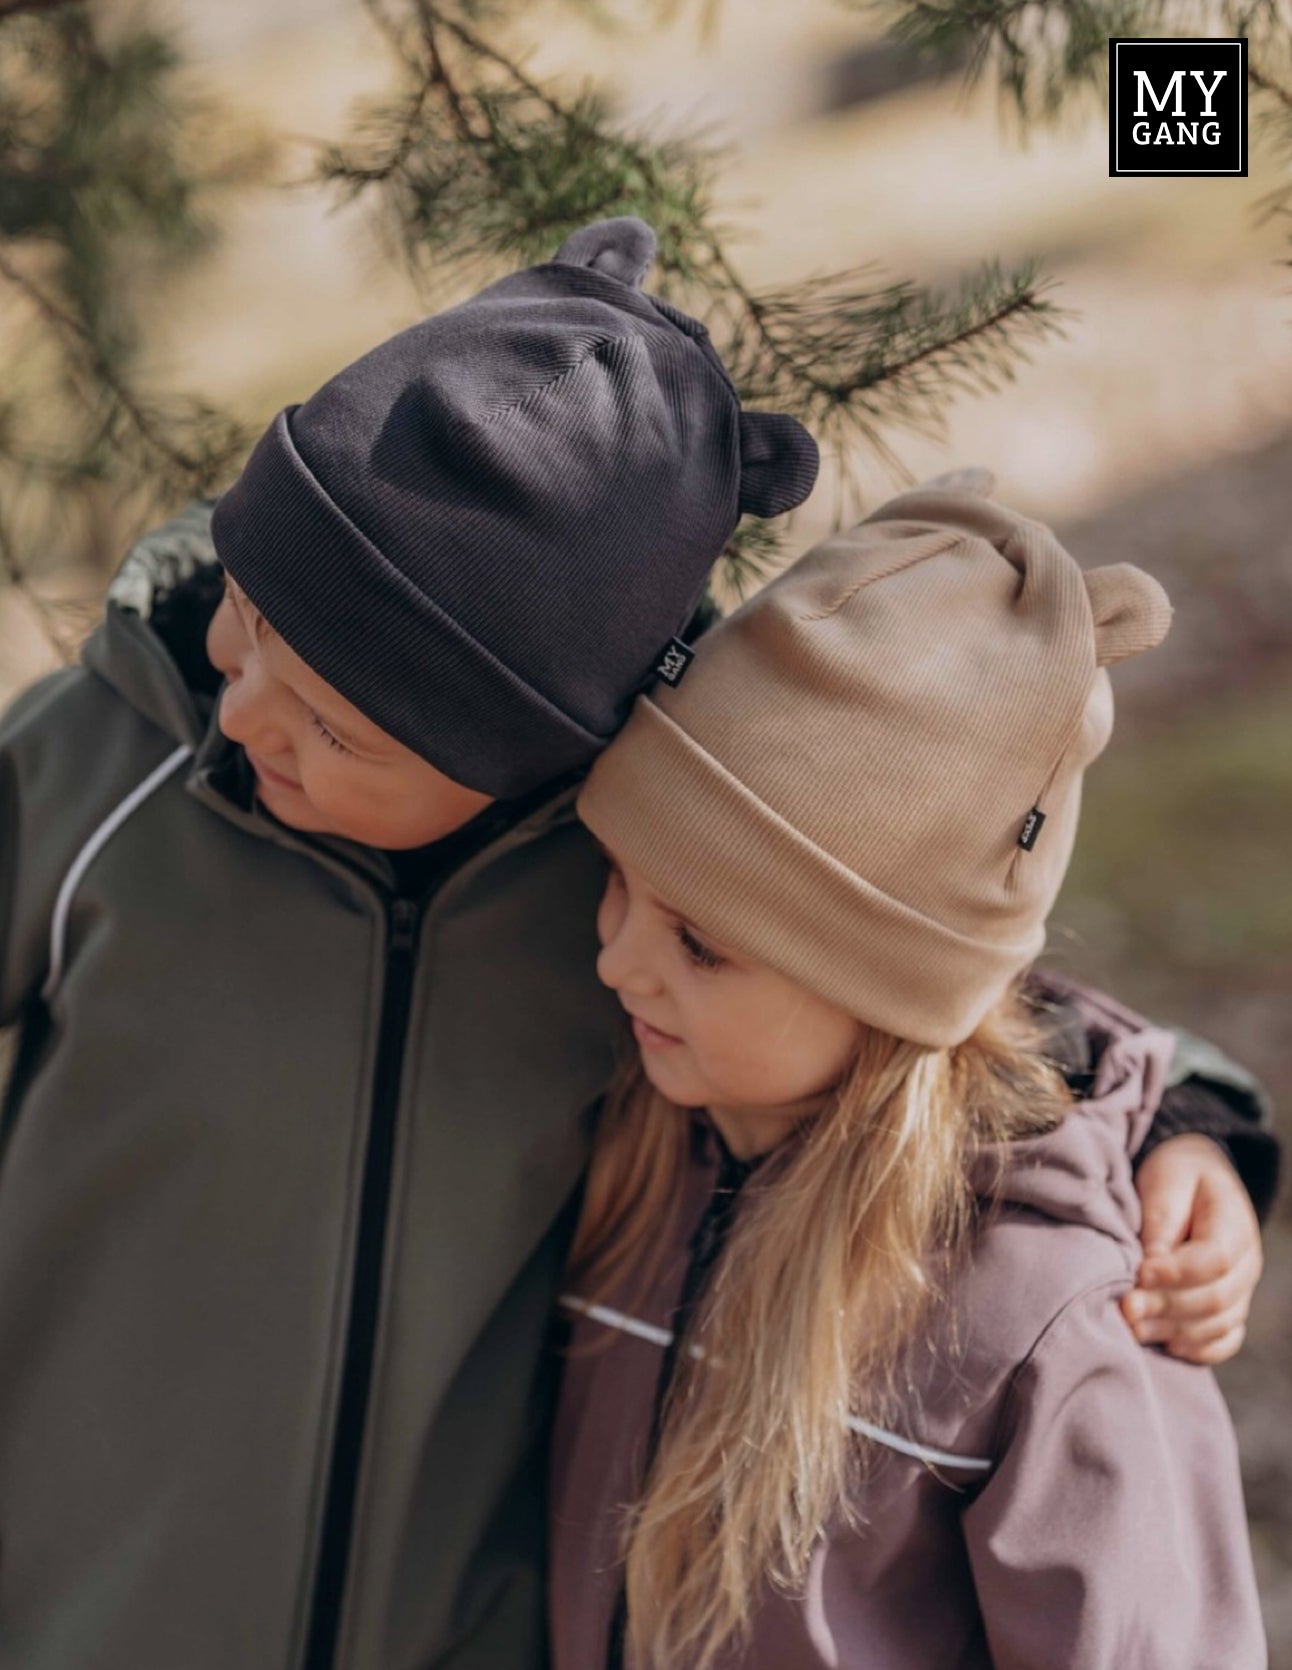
pixel 298 199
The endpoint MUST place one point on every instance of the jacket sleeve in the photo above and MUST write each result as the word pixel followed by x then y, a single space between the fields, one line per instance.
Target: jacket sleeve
pixel 1207 1092
pixel 69 748
pixel 1112 1531
pixel 1212 1095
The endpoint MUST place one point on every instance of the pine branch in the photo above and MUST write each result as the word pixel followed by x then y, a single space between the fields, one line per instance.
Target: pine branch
pixel 440 77
pixel 150 425
pixel 104 156
pixel 479 164
pixel 46 614
pixel 1265 81
pixel 1042 52
pixel 76 335
pixel 1275 120
pixel 1046 53
pixel 750 554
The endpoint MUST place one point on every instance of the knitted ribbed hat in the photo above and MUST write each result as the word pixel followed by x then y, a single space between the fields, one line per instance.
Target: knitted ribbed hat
pixel 485 532
pixel 869 776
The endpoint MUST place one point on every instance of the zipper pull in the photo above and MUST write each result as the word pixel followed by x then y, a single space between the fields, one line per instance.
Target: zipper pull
pixel 403 924
pixel 705 1236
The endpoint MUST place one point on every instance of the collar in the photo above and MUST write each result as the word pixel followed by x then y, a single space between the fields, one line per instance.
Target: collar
pixel 712 1145
pixel 221 778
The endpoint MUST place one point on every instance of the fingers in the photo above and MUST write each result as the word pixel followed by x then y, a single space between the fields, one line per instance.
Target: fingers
pixel 1219 1352
pixel 1201 1263
pixel 1224 1241
pixel 1198 1219
pixel 1196 1264
pixel 1211 1349
pixel 1187 1337
pixel 1202 1324
pixel 1200 1303
pixel 1223 1211
pixel 1167 1183
pixel 1203 1253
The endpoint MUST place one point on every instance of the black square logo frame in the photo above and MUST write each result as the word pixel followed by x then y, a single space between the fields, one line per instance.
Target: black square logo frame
pixel 1177 108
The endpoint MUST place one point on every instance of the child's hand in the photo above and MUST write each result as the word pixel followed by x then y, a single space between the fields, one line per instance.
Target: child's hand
pixel 1202 1252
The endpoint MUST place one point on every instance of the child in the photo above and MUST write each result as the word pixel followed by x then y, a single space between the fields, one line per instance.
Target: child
pixel 849 1384
pixel 296 919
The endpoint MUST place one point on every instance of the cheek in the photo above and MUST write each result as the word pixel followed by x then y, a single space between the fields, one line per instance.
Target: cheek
pixel 380 806
pixel 713 1019
pixel 343 793
pixel 764 1046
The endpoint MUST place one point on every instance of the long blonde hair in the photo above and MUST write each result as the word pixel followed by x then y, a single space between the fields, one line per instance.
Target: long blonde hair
pixel 861 1212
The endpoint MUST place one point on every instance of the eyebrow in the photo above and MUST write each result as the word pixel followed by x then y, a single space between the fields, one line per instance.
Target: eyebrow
pixel 262 631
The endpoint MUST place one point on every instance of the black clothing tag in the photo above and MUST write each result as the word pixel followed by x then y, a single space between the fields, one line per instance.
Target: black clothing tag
pixel 674 659
pixel 1031 828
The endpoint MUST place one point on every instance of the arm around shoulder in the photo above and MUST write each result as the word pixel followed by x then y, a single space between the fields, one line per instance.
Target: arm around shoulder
pixel 1112 1531
pixel 1210 1094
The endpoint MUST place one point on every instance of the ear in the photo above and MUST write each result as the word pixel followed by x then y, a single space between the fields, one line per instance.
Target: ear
pixel 1131 611
pixel 779 461
pixel 622 248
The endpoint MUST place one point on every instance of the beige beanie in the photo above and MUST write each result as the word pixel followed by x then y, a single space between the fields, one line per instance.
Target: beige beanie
pixel 869 776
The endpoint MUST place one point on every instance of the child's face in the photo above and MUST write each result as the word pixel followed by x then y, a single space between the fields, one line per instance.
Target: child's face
pixel 320 766
pixel 739 1033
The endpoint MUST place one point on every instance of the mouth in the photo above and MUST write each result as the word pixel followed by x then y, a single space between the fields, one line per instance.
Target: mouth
pixel 267 774
pixel 650 1037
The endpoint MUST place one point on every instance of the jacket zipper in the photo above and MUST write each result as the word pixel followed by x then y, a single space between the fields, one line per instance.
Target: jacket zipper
pixel 361 1329
pixel 706 1245
pixel 331 1567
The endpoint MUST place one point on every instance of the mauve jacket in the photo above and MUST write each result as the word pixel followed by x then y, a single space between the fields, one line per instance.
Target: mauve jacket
pixel 1061 1498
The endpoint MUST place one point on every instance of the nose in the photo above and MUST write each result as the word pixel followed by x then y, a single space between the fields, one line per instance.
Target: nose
pixel 249 711
pixel 626 961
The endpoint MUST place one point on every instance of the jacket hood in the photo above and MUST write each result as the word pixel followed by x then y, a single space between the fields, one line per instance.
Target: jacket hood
pixel 1079 1173
pixel 150 644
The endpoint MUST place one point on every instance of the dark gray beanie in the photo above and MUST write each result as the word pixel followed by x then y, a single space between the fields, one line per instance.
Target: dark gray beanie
pixel 486 532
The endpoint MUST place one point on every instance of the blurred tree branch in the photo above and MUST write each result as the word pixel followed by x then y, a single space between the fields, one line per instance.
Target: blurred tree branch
pixel 475 166
pixel 100 183
pixel 1046 55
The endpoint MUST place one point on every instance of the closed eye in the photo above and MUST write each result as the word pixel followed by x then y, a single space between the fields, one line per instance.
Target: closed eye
pixel 698 953
pixel 328 736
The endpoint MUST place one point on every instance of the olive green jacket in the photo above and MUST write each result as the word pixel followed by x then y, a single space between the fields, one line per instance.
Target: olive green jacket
pixel 286 1168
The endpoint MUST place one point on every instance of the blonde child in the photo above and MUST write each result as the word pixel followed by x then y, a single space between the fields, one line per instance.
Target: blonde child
pixel 849 1384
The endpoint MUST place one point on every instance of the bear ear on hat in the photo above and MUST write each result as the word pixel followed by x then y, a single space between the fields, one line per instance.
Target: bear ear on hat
pixel 779 461
pixel 1131 611
pixel 623 248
